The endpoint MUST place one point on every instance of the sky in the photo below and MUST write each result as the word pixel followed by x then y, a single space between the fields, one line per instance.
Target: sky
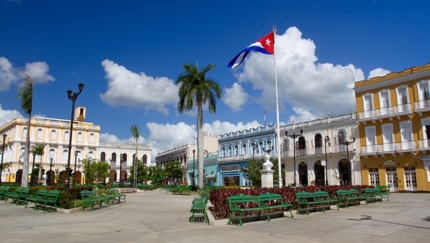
pixel 130 53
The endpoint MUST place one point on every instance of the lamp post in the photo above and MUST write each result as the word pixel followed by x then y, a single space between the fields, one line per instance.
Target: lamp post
pixel 72 96
pixel 326 139
pixel 120 171
pixel 347 143
pixel 2 155
pixel 87 171
pixel 74 171
pixel 50 171
pixel 293 136
pixel 194 168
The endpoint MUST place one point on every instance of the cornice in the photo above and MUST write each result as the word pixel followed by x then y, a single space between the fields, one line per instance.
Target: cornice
pixel 377 85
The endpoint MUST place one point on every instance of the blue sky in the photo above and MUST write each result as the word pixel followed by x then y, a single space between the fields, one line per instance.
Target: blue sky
pixel 129 54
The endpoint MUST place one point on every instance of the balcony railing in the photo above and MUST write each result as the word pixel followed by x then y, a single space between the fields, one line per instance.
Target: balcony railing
pixel 406 146
pixel 422 105
pixel 386 112
pixel 424 144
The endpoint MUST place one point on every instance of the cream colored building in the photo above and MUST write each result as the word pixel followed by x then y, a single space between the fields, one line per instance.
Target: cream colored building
pixel 54 134
pixel 187 153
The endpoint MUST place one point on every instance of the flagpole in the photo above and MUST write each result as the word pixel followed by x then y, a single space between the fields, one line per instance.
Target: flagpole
pixel 277 113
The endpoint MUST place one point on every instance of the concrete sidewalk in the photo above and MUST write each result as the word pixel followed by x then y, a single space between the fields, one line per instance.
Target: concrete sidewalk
pixel 154 216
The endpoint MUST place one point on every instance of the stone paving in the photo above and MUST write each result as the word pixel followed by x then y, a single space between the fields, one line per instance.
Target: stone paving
pixel 154 216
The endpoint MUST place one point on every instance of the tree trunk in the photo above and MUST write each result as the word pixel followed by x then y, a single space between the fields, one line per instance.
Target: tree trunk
pixel 24 178
pixel 136 158
pixel 200 144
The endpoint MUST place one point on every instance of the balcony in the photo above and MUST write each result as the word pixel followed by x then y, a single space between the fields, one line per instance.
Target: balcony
pixel 386 112
pixel 116 166
pixel 238 158
pixel 316 151
pixel 422 106
pixel 424 145
pixel 388 148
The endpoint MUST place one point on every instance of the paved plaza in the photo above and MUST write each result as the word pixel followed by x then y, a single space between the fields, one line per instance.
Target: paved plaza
pixel 154 216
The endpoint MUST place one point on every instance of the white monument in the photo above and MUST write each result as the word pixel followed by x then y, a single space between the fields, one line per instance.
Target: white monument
pixel 267 173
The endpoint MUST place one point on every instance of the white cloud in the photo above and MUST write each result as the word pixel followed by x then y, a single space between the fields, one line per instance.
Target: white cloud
pixel 9 75
pixel 318 88
pixel 38 71
pixel 8 115
pixel 110 138
pixel 235 97
pixel 301 115
pixel 126 88
pixel 167 136
pixel 378 72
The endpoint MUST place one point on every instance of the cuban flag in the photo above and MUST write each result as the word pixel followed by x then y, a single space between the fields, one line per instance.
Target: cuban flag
pixel 264 45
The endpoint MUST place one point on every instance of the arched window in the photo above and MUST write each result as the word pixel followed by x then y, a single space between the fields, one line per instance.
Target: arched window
pixel 144 159
pixel 301 144
pixel 66 135
pixel 341 137
pixel 24 132
pixel 53 135
pixel 39 133
pixel 124 157
pixel 91 155
pixel 113 157
pixel 79 137
pixel 21 153
pixel 285 145
pixel 65 155
pixel 318 141
pixel 91 137
pixel 52 153
pixel 103 156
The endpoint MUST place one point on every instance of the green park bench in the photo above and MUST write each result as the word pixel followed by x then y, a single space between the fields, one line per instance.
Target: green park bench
pixel 40 194
pixel 322 198
pixel 50 201
pixel 89 198
pixel 3 191
pixel 19 194
pixel 198 206
pixel 273 201
pixel 239 204
pixel 382 191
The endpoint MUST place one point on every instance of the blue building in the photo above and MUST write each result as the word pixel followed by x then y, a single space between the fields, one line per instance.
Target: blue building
pixel 237 148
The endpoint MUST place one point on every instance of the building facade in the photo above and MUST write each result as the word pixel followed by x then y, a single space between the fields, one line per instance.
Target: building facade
pixel 394 127
pixel 237 148
pixel 54 134
pixel 321 150
pixel 186 155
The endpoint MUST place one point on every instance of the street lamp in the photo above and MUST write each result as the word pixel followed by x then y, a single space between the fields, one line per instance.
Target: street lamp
pixel 74 171
pixel 347 143
pixel 326 139
pixel 2 155
pixel 194 168
pixel 293 136
pixel 120 171
pixel 72 96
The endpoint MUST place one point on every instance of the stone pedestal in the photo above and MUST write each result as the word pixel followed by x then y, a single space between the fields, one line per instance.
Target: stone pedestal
pixel 267 173
pixel 44 180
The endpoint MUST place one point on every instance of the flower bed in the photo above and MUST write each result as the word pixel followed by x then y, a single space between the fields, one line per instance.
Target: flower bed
pixel 220 209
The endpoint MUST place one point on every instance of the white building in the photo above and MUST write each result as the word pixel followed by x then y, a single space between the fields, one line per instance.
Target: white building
pixel 54 134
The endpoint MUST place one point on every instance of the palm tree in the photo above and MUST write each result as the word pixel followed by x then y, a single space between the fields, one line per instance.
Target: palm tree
pixel 195 89
pixel 136 134
pixel 36 150
pixel 25 95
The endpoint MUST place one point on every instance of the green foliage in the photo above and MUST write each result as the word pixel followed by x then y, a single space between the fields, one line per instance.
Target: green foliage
pixel 173 169
pixel 35 173
pixel 95 171
pixel 142 173
pixel 66 200
pixel 157 174
pixel 252 171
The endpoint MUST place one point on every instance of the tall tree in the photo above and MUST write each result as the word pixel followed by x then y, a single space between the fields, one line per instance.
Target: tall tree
pixel 195 89
pixel 37 150
pixel 25 95
pixel 136 134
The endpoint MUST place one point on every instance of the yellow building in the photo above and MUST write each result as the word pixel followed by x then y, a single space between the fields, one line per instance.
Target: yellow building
pixel 394 126
pixel 54 134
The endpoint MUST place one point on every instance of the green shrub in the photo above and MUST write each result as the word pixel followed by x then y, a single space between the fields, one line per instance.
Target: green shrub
pixel 66 200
